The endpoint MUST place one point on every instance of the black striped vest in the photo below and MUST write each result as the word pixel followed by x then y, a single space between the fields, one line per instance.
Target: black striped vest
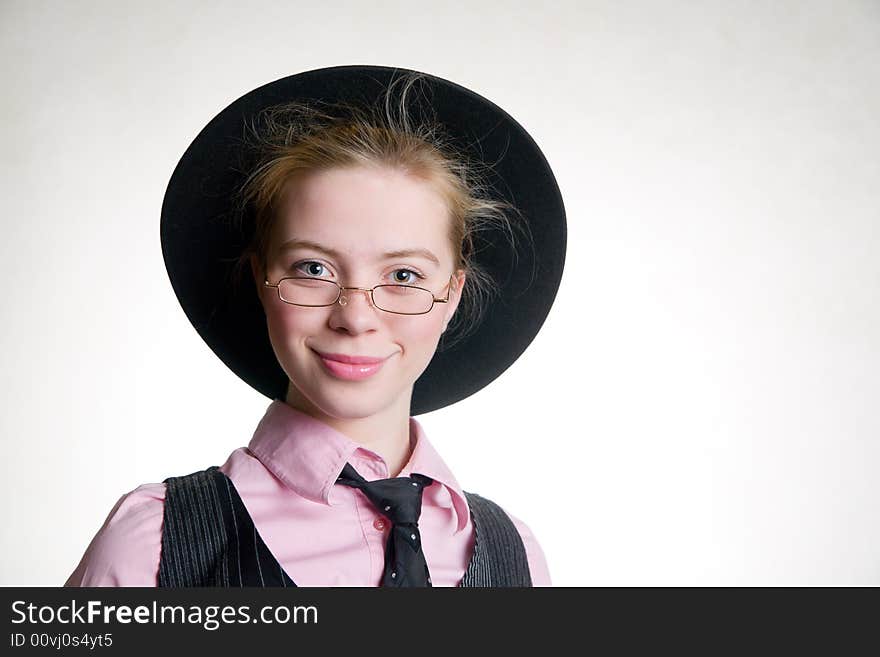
pixel 209 539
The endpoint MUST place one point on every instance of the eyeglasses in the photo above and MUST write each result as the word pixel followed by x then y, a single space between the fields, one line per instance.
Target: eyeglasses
pixel 318 292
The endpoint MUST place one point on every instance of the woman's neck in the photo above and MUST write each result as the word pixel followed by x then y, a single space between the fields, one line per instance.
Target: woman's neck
pixel 387 433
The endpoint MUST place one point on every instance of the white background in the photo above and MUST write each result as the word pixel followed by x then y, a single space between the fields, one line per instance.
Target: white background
pixel 701 406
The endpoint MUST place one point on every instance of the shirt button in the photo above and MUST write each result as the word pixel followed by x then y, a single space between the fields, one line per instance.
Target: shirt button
pixel 379 523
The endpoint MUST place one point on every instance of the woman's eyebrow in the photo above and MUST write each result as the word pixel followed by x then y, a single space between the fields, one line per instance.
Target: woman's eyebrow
pixel 400 253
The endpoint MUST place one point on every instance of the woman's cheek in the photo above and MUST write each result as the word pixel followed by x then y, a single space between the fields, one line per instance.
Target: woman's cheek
pixel 286 329
pixel 422 337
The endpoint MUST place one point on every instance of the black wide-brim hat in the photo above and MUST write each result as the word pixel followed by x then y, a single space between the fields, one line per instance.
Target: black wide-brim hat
pixel 201 242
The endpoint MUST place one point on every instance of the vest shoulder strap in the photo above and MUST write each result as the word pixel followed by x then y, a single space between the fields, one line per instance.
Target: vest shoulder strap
pixel 209 539
pixel 499 557
pixel 193 533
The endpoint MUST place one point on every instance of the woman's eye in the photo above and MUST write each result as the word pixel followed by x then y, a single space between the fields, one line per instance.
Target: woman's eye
pixel 310 268
pixel 409 276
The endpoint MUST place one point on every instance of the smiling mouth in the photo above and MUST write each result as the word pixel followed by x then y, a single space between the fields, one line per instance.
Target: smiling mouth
pixel 353 360
pixel 348 370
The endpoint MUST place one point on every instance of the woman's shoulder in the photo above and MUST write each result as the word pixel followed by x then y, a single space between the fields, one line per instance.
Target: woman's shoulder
pixel 537 561
pixel 126 549
pixel 142 505
pixel 128 546
pixel 540 574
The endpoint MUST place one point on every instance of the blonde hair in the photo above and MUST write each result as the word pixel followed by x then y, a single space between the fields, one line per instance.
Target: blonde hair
pixel 292 139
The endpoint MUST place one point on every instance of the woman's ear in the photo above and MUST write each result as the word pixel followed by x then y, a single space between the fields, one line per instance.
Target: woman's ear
pixel 257 272
pixel 455 291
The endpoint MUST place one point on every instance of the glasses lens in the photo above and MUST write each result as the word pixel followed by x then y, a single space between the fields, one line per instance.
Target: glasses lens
pixel 403 299
pixel 308 291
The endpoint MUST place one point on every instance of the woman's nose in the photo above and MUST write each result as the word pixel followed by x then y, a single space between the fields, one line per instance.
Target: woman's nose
pixel 353 314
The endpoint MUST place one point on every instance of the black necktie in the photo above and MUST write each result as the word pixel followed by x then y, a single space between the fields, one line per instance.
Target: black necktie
pixel 400 500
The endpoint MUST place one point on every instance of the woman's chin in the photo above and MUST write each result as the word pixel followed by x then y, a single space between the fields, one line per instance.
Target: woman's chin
pixel 340 404
pixel 347 409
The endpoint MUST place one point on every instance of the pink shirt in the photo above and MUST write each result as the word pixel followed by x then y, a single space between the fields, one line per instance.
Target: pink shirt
pixel 321 533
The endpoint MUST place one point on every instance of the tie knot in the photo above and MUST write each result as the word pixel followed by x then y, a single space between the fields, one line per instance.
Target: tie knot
pixel 397 498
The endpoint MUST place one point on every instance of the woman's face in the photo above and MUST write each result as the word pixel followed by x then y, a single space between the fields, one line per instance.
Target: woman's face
pixel 344 225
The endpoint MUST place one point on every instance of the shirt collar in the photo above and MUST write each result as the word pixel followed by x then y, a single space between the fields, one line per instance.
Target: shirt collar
pixel 308 455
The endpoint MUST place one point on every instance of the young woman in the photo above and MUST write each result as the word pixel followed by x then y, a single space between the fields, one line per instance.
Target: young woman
pixel 355 300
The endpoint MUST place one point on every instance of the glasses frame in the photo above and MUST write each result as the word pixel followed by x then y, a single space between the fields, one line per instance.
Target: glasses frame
pixel 342 288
